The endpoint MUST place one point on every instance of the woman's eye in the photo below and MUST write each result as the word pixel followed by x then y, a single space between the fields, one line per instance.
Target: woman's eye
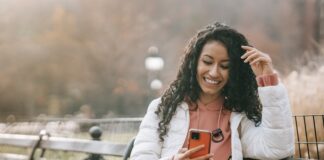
pixel 207 62
pixel 225 66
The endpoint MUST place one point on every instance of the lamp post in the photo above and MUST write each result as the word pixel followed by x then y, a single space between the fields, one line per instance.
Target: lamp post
pixel 153 64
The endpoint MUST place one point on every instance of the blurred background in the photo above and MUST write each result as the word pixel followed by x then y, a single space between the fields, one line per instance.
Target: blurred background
pixel 86 59
pixel 67 65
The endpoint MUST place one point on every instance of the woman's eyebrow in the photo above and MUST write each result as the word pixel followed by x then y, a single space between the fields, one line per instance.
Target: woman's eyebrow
pixel 208 56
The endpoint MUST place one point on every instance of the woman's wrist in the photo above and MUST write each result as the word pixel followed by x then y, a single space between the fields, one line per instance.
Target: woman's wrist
pixel 267 80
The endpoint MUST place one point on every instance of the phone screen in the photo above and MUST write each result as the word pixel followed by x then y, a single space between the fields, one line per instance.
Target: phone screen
pixel 197 138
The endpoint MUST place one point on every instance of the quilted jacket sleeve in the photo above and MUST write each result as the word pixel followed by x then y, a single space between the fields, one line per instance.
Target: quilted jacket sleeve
pixel 274 138
pixel 147 145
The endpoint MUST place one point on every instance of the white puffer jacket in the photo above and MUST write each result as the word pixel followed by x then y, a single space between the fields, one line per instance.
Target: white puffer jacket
pixel 273 139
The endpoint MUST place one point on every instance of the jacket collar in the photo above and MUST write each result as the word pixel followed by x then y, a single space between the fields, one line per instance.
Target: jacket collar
pixel 235 119
pixel 184 105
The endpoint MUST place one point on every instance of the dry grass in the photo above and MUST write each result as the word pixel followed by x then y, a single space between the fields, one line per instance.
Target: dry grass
pixel 306 92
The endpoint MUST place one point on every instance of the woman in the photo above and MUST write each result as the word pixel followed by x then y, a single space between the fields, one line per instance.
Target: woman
pixel 227 87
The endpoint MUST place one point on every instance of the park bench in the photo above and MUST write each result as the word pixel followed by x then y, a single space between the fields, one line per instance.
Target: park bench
pixel 95 148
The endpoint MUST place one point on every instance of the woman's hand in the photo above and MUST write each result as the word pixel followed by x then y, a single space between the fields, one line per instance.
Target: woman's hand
pixel 184 154
pixel 260 62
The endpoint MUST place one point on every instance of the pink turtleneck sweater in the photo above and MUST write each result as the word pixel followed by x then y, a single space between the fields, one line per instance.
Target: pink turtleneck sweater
pixel 205 117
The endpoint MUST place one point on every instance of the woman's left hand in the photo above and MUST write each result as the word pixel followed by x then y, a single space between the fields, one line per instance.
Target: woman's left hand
pixel 260 62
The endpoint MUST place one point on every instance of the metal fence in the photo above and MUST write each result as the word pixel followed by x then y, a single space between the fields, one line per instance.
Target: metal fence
pixel 309 135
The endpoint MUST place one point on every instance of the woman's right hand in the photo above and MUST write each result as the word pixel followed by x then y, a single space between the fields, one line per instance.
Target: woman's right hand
pixel 184 154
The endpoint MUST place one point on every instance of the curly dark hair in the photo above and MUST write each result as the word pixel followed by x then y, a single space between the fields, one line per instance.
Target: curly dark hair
pixel 240 91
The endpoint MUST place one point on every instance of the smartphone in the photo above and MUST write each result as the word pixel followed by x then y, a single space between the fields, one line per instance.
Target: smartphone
pixel 197 138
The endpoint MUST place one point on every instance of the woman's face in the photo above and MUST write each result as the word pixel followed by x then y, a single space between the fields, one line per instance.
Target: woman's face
pixel 212 69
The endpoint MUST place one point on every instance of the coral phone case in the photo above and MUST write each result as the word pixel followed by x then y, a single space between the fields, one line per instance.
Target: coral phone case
pixel 197 138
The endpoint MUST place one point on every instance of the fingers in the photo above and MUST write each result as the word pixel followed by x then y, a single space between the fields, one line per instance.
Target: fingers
pixel 183 150
pixel 180 155
pixel 193 150
pixel 204 157
pixel 184 153
pixel 248 48
pixel 260 59
pixel 248 53
pixel 253 55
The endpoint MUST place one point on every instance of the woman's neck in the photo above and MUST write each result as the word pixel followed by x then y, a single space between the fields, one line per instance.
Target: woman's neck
pixel 206 99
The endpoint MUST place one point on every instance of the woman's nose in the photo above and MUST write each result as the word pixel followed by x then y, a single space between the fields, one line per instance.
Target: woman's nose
pixel 213 71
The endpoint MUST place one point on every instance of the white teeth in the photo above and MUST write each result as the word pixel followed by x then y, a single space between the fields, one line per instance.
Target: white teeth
pixel 212 81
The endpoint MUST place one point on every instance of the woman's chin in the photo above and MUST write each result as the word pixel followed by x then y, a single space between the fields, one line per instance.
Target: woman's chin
pixel 211 93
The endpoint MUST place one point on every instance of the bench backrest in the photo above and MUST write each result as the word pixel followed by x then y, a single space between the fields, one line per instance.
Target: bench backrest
pixel 65 144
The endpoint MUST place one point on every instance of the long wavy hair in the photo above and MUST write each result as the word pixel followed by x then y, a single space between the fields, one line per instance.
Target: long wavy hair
pixel 240 92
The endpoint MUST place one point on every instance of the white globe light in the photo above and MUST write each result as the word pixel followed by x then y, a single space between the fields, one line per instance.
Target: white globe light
pixel 156 84
pixel 154 63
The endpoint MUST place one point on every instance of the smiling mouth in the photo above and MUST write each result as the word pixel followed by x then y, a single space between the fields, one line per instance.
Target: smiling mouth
pixel 212 82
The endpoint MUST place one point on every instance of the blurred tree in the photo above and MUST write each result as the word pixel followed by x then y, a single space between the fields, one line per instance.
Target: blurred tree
pixel 57 56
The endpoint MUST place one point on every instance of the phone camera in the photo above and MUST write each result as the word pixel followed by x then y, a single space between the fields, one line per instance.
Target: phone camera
pixel 195 135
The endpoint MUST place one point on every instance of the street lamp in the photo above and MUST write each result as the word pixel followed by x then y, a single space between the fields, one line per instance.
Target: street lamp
pixel 154 63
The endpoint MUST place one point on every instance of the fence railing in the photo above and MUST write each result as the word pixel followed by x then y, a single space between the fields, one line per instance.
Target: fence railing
pixel 309 135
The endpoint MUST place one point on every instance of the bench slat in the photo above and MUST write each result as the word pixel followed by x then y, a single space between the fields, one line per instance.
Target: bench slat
pixel 65 144
pixel 18 140
pixel 8 156
pixel 80 145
